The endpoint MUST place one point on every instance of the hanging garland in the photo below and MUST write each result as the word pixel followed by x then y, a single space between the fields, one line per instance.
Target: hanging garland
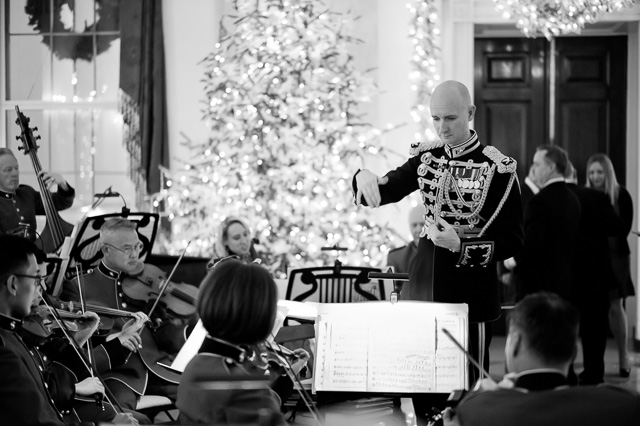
pixel 75 45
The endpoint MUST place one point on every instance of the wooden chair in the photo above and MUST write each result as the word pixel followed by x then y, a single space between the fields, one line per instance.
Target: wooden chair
pixel 334 284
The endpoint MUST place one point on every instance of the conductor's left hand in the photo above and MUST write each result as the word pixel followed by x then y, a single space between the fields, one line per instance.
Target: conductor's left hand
pixel 444 235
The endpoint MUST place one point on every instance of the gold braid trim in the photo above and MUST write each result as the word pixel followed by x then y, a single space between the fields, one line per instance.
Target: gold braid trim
pixel 502 201
pixel 418 147
pixel 505 164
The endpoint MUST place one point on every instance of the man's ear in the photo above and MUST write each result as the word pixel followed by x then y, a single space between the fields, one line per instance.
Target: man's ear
pixel 472 112
pixel 12 285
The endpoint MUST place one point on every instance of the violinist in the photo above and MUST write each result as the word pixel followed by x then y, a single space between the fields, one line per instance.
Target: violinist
pixel 65 371
pixel 140 374
pixel 25 396
pixel 541 345
pixel 19 204
pixel 233 239
pixel 237 305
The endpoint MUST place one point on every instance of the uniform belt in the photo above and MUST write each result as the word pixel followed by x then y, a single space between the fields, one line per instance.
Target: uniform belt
pixel 466 231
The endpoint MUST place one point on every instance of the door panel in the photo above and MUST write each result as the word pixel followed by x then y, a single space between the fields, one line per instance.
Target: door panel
pixel 513 97
pixel 591 100
pixel 510 96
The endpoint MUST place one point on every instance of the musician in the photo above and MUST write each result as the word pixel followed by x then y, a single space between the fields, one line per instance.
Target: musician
pixel 19 204
pixel 233 239
pixel 541 344
pixel 25 396
pixel 140 374
pixel 237 305
pixel 473 213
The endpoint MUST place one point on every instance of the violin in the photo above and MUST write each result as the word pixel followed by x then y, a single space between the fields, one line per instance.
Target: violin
pixel 145 284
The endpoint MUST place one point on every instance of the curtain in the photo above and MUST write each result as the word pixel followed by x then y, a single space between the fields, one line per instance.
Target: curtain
pixel 143 93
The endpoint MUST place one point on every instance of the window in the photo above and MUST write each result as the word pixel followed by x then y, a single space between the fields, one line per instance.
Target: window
pixel 60 65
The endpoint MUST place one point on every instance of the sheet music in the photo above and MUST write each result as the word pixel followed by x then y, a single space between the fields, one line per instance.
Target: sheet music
pixel 383 347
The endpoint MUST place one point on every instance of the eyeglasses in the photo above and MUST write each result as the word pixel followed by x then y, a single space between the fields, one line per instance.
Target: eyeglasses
pixel 129 250
pixel 38 280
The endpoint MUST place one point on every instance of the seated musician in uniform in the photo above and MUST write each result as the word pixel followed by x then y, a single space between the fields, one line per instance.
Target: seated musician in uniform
pixel 233 239
pixel 19 204
pixel 140 374
pixel 26 398
pixel 237 305
pixel 541 344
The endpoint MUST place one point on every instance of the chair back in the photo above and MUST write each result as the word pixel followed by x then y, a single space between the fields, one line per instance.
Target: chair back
pixel 331 284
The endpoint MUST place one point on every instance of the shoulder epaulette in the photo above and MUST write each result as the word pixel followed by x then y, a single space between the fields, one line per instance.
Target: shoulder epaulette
pixel 396 249
pixel 505 164
pixel 418 147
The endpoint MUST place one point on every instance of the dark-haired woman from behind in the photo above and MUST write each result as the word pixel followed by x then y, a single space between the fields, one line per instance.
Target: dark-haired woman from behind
pixel 224 383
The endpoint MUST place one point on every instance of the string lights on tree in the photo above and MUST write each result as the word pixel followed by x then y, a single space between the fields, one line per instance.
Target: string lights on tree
pixel 282 102
pixel 553 18
pixel 425 36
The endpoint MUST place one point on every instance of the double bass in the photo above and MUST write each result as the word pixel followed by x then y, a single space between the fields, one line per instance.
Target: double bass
pixel 56 229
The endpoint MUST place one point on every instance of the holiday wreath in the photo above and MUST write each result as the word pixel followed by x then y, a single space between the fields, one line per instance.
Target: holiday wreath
pixel 72 44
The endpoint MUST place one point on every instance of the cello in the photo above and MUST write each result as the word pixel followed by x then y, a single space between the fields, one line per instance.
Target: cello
pixel 56 229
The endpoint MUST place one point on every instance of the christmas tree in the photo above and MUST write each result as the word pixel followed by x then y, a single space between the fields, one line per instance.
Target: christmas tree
pixel 282 101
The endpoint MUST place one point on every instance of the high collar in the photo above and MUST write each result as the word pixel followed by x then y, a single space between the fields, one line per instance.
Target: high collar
pixel 7 195
pixel 554 180
pixel 111 273
pixel 534 188
pixel 9 323
pixel 541 379
pixel 226 349
pixel 464 147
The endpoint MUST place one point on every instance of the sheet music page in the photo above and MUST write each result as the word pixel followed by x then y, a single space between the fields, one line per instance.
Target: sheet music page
pixel 384 347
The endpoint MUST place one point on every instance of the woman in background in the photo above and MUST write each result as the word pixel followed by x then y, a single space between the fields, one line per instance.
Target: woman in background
pixel 237 305
pixel 602 176
pixel 233 239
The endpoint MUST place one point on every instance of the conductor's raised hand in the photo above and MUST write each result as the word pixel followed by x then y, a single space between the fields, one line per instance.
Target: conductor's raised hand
pixel 368 183
pixel 444 235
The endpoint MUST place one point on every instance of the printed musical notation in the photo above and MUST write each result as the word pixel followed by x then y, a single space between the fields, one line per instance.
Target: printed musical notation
pixel 383 347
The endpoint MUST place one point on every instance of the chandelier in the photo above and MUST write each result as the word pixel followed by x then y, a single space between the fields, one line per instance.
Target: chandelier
pixel 552 18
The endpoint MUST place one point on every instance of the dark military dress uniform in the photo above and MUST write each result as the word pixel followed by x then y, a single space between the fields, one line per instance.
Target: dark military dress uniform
pixel 25 395
pixel 18 210
pixel 475 189
pixel 103 285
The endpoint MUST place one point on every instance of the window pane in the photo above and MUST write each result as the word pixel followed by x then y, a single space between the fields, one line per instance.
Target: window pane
pixel 18 18
pixel 108 16
pixel 84 15
pixel 28 63
pixel 108 70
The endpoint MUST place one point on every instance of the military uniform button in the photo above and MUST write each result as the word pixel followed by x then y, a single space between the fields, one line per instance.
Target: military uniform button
pixel 124 305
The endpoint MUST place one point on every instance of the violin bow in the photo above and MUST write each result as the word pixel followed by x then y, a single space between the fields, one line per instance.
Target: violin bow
pixel 111 398
pixel 83 308
pixel 165 282
pixel 288 368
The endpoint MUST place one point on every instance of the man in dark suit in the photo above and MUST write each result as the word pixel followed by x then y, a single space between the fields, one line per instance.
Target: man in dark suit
pixel 592 272
pixel 542 342
pixel 400 258
pixel 550 229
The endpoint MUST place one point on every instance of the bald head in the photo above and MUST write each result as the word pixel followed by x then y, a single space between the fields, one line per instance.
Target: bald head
pixel 416 221
pixel 451 92
pixel 451 110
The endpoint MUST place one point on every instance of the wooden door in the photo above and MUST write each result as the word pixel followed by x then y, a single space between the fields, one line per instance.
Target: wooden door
pixel 511 96
pixel 591 75
pixel 520 92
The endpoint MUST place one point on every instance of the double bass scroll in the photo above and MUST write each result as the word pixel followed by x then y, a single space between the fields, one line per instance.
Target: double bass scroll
pixel 56 229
